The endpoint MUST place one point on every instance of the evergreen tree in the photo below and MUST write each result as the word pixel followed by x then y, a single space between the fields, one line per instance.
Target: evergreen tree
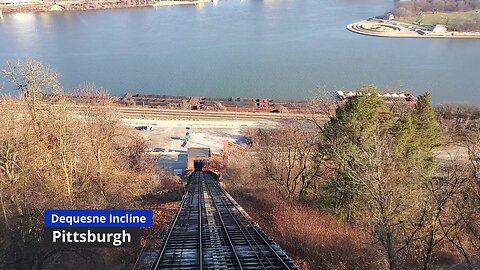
pixel 354 129
pixel 427 126
pixel 406 141
pixel 359 118
pixel 384 170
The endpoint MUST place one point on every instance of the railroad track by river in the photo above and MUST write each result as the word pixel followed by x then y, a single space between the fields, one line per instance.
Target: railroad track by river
pixel 170 114
pixel 211 231
pixel 161 114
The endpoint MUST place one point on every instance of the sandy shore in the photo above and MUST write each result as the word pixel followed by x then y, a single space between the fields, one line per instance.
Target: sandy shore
pixel 391 28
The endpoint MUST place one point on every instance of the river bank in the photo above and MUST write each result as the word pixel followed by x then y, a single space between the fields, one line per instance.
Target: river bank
pixel 392 28
pixel 175 3
pixel 93 5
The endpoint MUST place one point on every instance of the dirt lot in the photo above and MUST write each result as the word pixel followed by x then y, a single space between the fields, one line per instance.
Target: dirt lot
pixel 168 135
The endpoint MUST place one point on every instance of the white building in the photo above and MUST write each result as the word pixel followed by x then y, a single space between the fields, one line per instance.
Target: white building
pixel 389 16
pixel 439 29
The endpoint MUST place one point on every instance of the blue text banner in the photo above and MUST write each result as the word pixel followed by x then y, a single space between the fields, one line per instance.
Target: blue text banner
pixel 98 218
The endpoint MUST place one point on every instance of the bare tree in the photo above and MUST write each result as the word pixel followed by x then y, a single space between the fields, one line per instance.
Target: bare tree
pixel 36 85
pixel 287 158
pixel 467 239
pixel 388 199
pixel 11 144
pixel 442 193
pixel 56 152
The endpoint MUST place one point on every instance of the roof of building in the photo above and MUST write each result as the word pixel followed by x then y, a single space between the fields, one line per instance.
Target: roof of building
pixel 198 152
pixel 439 28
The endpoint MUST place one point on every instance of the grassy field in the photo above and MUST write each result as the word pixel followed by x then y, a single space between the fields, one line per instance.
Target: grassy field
pixel 446 18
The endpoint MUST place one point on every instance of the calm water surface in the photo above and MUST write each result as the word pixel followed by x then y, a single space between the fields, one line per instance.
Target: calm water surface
pixel 249 48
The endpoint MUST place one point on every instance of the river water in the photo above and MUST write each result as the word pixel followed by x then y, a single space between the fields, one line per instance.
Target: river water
pixel 240 48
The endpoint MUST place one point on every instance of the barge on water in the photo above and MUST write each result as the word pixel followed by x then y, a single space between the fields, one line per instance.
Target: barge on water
pixel 230 104
pixel 213 104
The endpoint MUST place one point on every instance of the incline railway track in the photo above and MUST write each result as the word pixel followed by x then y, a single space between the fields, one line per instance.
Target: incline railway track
pixel 211 231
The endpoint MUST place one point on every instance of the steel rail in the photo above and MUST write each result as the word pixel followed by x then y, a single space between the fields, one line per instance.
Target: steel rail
pixel 248 236
pixel 149 110
pixel 206 116
pixel 251 224
pixel 236 237
pixel 224 228
pixel 170 230
pixel 200 113
pixel 200 217
pixel 171 113
pixel 254 248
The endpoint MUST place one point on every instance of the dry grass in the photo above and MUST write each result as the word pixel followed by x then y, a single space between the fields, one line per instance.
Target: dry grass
pixel 451 18
pixel 313 239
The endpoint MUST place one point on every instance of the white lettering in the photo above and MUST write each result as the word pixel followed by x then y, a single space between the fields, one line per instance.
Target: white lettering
pixel 56 235
pixel 113 238
pixel 127 219
pixel 71 220
pixel 54 218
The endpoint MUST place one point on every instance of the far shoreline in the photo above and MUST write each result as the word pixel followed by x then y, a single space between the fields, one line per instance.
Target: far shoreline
pixel 396 29
pixel 59 6
pixel 178 3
